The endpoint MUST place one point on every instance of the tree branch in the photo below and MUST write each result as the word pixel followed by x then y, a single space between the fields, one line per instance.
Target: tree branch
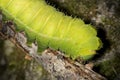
pixel 55 62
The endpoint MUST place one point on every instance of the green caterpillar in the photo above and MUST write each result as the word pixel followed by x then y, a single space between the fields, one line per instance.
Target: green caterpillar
pixel 52 28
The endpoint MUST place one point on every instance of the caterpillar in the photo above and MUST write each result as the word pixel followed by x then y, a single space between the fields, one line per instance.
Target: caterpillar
pixel 52 28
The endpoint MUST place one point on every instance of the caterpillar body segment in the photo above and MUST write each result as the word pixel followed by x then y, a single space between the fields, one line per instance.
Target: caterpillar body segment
pixel 52 28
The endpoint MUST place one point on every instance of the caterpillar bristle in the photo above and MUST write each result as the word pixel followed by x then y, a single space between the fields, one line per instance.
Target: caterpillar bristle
pixel 52 29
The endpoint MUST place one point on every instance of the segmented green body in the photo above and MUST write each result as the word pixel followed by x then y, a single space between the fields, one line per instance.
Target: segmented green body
pixel 52 28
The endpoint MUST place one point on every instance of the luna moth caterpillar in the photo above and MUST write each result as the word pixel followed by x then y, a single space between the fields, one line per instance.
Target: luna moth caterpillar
pixel 52 28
